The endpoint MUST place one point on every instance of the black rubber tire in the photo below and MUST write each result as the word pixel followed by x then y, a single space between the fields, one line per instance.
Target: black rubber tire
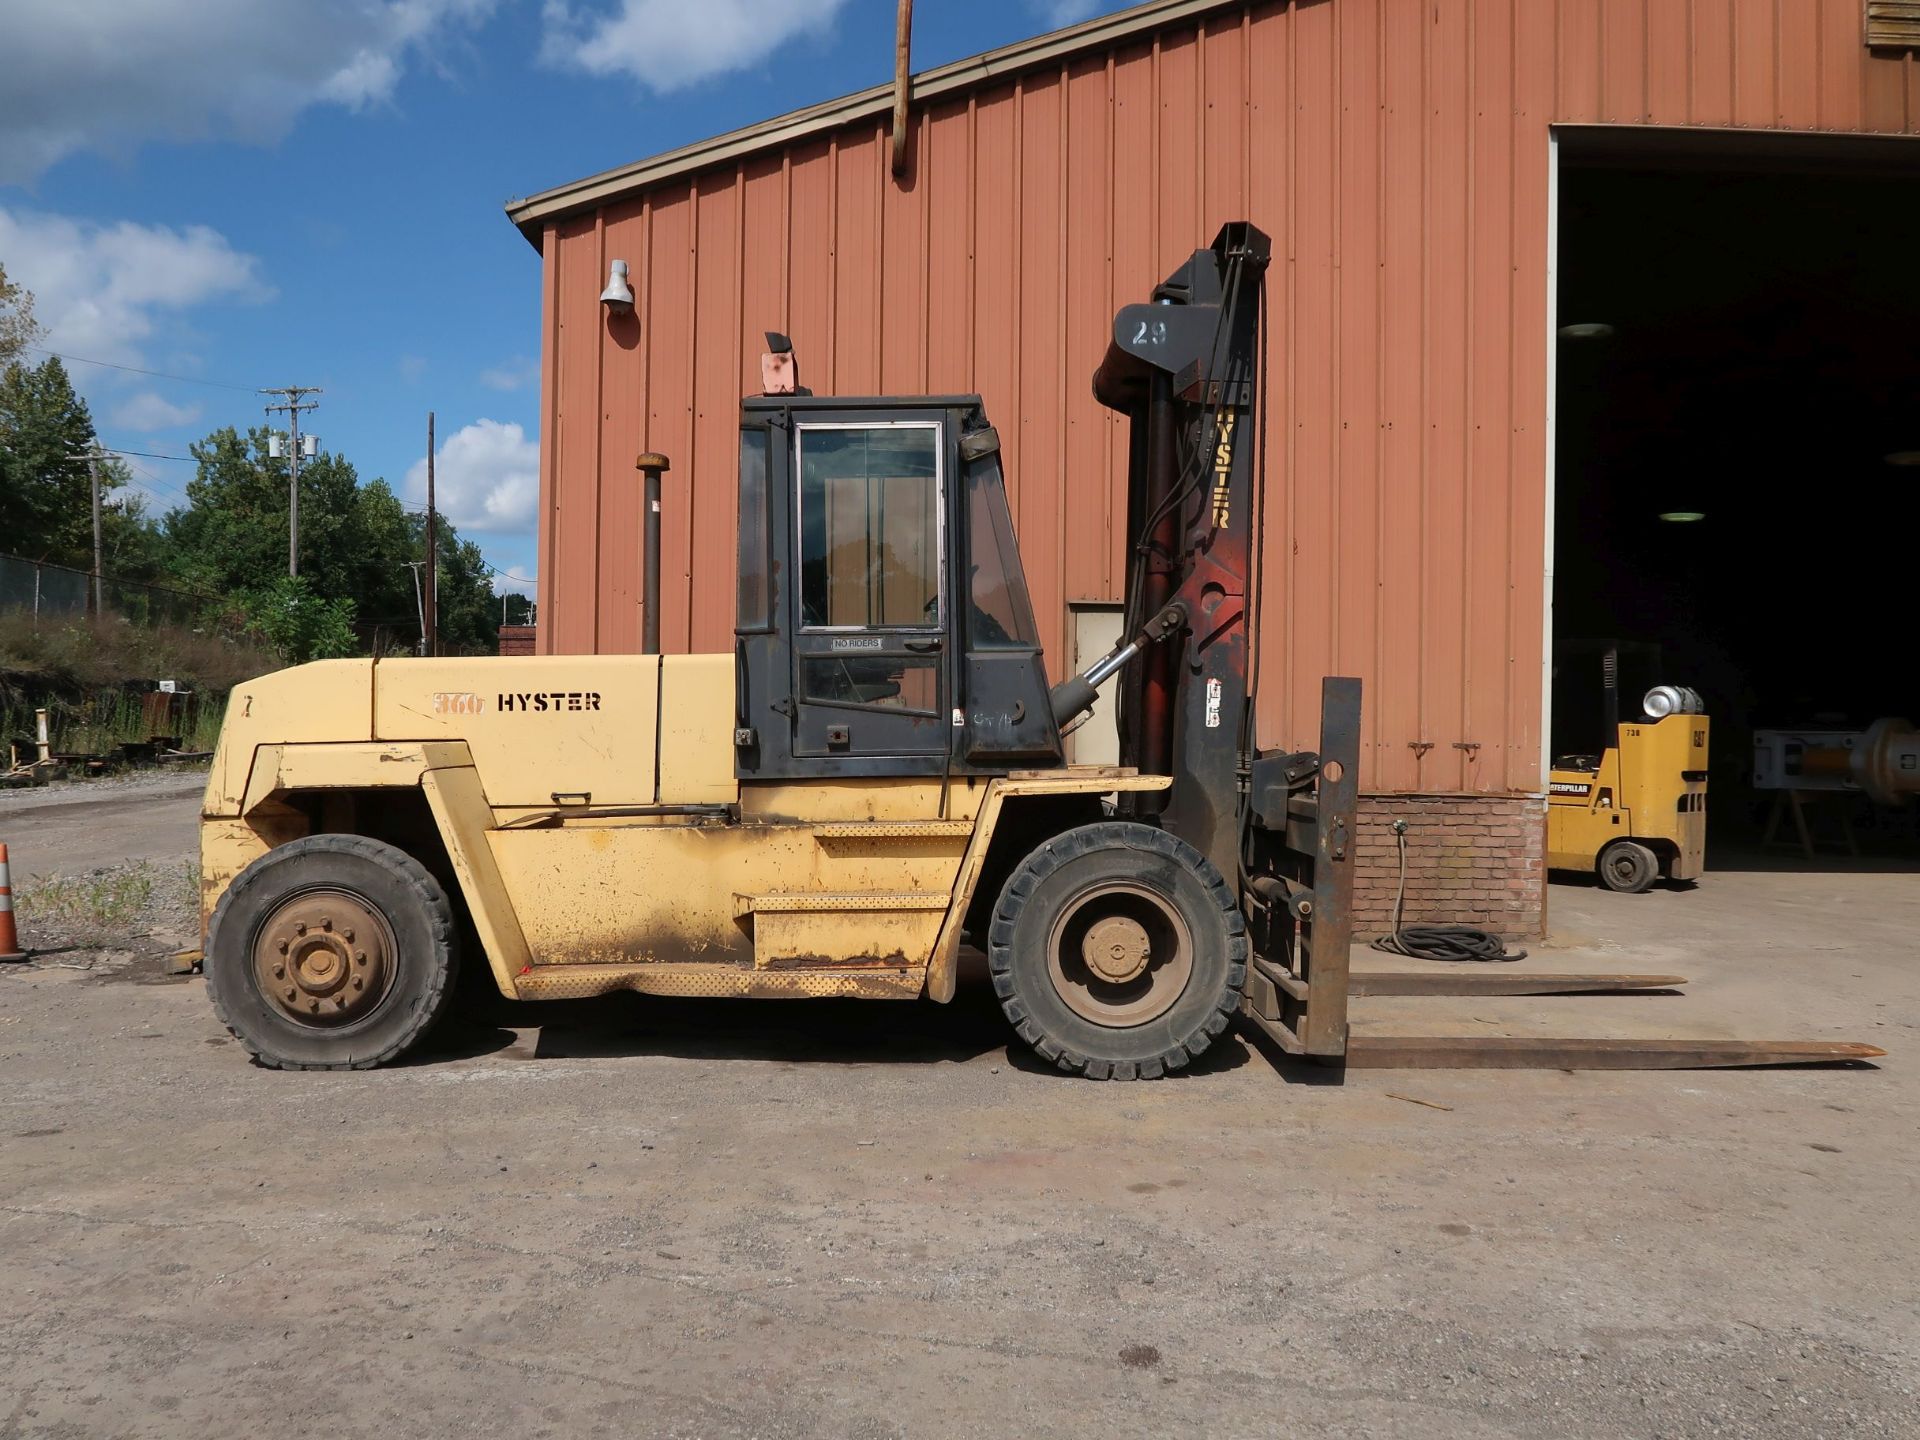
pixel 1628 867
pixel 1048 880
pixel 426 954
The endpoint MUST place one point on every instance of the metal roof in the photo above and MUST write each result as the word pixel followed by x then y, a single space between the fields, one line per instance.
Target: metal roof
pixel 532 213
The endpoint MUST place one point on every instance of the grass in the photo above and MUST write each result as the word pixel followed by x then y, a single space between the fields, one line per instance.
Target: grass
pixel 91 675
pixel 88 901
pixel 112 907
pixel 112 899
pixel 96 724
pixel 86 654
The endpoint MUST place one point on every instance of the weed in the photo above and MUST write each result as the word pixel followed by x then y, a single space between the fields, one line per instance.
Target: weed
pixel 111 905
pixel 110 899
pixel 92 678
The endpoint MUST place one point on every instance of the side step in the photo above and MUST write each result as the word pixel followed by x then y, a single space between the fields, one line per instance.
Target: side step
pixel 1501 1052
pixel 895 830
pixel 884 900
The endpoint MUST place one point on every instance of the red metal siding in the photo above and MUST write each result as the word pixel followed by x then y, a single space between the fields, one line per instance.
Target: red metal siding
pixel 1397 150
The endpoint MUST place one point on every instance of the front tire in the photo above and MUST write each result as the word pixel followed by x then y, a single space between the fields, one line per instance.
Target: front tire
pixel 1118 951
pixel 1628 866
pixel 333 952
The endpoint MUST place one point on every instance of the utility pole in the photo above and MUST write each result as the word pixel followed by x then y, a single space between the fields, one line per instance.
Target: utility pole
pixel 295 401
pixel 418 603
pixel 93 474
pixel 92 456
pixel 430 623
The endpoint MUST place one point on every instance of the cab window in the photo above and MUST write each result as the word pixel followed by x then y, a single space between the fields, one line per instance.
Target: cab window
pixel 870 526
pixel 998 615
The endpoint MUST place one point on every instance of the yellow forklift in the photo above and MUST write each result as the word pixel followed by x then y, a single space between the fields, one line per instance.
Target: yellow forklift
pixel 873 777
pixel 1629 804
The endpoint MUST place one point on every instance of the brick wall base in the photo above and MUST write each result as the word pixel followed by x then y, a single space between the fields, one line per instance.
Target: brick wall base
pixel 1471 860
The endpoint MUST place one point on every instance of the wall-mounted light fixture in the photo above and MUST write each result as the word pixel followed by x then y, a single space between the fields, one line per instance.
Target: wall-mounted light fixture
pixel 1586 330
pixel 618 296
pixel 1682 517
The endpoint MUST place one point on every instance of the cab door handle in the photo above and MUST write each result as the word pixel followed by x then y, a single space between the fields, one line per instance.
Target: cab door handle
pixel 923 647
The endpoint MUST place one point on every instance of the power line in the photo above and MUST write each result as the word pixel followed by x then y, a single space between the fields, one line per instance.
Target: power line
pixel 136 370
pixel 150 455
pixel 506 574
pixel 410 508
pixel 165 492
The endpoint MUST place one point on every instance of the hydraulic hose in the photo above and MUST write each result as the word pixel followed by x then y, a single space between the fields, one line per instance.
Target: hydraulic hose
pixel 1437 942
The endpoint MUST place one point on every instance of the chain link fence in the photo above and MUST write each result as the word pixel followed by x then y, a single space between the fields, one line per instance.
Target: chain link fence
pixel 59 592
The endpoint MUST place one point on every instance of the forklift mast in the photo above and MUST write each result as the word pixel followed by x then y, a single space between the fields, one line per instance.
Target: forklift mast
pixel 1184 369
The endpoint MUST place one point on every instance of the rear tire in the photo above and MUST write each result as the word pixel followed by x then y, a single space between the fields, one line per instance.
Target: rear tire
pixel 332 952
pixel 1118 951
pixel 1628 866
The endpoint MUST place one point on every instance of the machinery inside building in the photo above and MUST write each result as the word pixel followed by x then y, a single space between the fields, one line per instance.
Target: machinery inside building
pixel 1737 454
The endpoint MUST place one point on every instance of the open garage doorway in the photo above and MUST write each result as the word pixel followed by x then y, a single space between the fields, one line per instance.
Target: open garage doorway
pixel 1737 472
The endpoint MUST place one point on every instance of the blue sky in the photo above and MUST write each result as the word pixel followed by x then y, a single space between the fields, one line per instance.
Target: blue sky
pixel 249 193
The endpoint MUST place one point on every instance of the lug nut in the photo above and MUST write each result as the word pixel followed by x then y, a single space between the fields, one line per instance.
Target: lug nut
pixel 283 947
pixel 347 935
pixel 279 972
pixel 358 983
pixel 360 957
pixel 313 1005
pixel 299 927
pixel 340 1002
pixel 326 922
pixel 291 992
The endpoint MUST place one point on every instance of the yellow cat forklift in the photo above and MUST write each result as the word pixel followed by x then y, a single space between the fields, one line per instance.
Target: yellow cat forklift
pixel 871 779
pixel 1630 808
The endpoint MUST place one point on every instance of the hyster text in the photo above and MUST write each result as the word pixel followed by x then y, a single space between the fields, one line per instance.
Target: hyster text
pixel 552 700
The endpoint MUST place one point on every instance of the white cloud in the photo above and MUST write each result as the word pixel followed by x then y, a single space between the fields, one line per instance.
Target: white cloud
pixel 101 290
pixel 671 44
pixel 108 75
pixel 1059 13
pixel 486 477
pixel 505 584
pixel 516 374
pixel 148 411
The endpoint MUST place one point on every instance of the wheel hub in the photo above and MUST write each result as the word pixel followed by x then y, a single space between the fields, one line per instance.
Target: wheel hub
pixel 1120 954
pixel 324 957
pixel 1116 948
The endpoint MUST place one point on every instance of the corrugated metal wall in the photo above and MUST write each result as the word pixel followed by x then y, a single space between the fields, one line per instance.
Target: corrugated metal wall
pixel 1397 150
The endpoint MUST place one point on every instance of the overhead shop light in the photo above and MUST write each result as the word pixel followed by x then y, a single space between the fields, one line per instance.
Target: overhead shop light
pixel 1586 330
pixel 1905 459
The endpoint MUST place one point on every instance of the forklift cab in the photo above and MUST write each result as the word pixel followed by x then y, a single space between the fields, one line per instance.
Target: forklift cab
pixel 882 625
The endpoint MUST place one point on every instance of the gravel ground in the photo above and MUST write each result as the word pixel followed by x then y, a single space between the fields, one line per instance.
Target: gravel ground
pixel 173 780
pixel 762 1220
pixel 74 825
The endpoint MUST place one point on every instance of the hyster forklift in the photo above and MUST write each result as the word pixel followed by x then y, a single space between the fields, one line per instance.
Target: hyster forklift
pixel 873 777
pixel 1627 804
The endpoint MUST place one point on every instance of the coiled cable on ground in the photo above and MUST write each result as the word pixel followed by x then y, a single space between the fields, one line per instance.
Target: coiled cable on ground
pixel 1437 942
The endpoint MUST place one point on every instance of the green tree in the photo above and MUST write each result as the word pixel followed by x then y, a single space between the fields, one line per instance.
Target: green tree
pixel 298 622
pixel 356 542
pixel 133 546
pixel 469 615
pixel 46 497
pixel 18 329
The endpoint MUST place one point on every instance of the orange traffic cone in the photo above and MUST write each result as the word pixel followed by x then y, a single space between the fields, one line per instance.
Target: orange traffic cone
pixel 9 937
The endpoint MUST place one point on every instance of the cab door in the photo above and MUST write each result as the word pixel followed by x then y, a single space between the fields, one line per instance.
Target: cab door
pixel 870 621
